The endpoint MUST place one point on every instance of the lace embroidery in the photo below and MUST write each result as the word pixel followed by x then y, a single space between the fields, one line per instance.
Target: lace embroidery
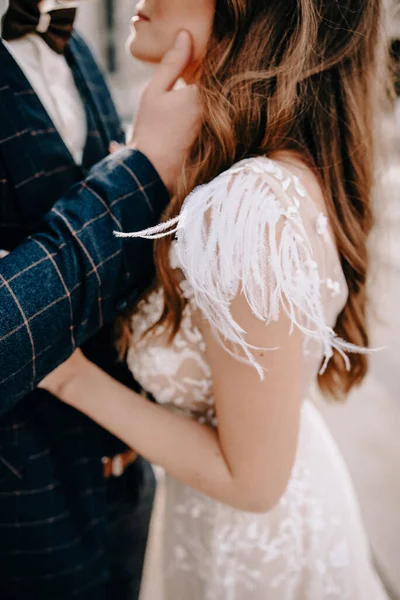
pixel 177 374
pixel 322 224
pixel 238 548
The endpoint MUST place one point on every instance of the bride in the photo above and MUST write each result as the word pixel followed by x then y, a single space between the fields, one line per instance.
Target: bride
pixel 261 293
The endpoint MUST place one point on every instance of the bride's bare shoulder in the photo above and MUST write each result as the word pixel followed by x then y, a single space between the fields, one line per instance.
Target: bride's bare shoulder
pixel 296 166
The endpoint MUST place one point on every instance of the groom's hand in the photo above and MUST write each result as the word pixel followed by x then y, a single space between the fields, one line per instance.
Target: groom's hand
pixel 168 120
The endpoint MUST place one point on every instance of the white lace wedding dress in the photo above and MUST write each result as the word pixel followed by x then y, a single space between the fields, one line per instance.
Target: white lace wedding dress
pixel 255 229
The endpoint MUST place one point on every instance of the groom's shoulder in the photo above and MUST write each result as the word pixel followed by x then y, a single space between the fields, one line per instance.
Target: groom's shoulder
pixel 78 42
pixel 81 49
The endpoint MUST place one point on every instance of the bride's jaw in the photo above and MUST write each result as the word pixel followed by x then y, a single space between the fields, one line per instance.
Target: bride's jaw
pixel 156 24
pixel 191 74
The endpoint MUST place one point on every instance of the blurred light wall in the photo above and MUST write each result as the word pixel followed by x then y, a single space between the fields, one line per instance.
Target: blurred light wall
pixel 105 25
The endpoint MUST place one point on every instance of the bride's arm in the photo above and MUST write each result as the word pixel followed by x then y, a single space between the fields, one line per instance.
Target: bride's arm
pixel 242 234
pixel 246 463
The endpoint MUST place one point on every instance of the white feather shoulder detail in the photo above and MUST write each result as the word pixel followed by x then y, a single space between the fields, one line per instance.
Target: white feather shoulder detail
pixel 243 233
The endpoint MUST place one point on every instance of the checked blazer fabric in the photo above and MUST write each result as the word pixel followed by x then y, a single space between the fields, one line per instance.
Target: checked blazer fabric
pixel 60 288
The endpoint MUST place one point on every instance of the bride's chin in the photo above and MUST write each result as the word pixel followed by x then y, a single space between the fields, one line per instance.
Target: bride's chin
pixel 138 52
pixel 133 47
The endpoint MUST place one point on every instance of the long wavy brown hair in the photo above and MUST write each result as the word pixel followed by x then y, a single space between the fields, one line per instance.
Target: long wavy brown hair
pixel 304 76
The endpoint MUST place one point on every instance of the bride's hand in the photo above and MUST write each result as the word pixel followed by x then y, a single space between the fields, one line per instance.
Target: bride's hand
pixel 71 368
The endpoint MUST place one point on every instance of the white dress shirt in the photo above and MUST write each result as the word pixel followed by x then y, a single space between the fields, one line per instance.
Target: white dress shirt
pixel 52 80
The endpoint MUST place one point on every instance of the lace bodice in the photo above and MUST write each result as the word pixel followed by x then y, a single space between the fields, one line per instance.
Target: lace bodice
pixel 227 255
pixel 177 374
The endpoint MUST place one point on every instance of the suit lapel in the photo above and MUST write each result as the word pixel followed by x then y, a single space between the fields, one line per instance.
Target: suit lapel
pixel 39 166
pixel 103 122
pixel 38 163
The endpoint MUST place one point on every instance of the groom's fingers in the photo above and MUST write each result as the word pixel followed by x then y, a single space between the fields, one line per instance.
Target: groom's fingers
pixel 167 122
pixel 114 147
pixel 173 64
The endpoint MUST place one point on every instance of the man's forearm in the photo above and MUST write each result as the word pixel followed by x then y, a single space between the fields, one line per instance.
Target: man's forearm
pixel 60 286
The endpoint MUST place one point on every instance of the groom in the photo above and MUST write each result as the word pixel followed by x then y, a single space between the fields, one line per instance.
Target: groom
pixel 74 504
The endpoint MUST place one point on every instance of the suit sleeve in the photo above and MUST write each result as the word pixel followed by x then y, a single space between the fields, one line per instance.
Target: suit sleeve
pixel 73 275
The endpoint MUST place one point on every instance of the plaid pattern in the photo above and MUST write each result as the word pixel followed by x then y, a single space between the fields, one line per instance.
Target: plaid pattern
pixel 60 287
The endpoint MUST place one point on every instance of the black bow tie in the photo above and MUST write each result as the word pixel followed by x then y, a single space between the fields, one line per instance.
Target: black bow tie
pixel 24 17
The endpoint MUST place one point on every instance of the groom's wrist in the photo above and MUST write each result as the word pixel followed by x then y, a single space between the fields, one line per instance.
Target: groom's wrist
pixel 159 161
pixel 138 174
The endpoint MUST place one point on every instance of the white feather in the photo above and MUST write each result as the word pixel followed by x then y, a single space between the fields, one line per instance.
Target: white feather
pixel 236 234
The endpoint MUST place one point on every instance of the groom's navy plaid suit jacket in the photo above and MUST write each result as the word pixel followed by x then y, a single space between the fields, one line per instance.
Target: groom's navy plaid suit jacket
pixel 58 288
